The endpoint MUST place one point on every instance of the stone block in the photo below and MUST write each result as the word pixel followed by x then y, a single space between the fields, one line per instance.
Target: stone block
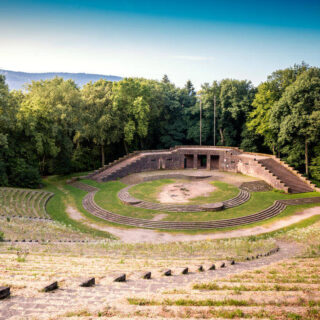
pixel 185 271
pixel 121 278
pixel 51 287
pixel 147 275
pixel 168 273
pixel 4 292
pixel 212 206
pixel 88 283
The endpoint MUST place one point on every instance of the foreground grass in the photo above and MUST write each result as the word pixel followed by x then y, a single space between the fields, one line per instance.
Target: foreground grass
pixel 150 190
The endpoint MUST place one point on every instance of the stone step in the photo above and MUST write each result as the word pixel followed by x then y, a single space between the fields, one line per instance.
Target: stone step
pixel 269 212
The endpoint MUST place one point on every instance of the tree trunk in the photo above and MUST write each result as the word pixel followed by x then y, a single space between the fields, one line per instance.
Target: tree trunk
pixel 102 156
pixel 125 147
pixel 221 137
pixel 306 157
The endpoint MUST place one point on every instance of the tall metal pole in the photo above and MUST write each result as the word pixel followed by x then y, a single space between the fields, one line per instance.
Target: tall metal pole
pixel 200 122
pixel 214 120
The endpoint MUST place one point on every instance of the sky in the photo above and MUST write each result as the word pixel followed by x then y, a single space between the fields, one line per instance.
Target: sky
pixel 198 40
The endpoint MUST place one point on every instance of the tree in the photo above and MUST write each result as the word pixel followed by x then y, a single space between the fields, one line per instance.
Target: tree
pixel 99 118
pixel 268 94
pixel 233 103
pixel 130 103
pixel 4 126
pixel 47 116
pixel 296 117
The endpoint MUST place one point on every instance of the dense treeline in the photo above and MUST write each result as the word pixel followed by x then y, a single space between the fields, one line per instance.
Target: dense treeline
pixel 54 127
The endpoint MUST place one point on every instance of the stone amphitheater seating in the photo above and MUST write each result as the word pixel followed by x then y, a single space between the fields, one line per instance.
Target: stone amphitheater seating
pixel 24 203
pixel 278 206
pixel 292 181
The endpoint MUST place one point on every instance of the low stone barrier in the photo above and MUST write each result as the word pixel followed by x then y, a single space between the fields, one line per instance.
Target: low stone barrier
pixel 4 292
pixel 121 278
pixel 51 287
pixel 88 283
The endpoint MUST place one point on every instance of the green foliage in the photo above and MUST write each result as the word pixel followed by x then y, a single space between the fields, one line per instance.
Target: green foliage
pixel 57 128
pixel 315 164
pixel 24 175
pixel 268 94
pixel 296 117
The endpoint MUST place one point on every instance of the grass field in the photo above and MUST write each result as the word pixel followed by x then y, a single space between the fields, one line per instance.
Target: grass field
pixel 149 191
pixel 107 199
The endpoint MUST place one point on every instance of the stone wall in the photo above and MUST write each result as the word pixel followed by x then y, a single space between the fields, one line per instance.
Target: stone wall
pixel 225 158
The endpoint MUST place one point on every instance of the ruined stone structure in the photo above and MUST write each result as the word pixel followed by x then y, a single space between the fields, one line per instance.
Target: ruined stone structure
pixel 267 167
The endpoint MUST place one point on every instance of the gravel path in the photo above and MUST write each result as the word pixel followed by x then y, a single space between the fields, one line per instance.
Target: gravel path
pixel 138 235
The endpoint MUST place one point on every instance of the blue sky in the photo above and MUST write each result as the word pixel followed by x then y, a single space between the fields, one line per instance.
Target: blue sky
pixel 198 40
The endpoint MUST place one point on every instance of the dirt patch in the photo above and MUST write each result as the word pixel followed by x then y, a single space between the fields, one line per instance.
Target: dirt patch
pixel 74 214
pixel 184 191
pixel 159 217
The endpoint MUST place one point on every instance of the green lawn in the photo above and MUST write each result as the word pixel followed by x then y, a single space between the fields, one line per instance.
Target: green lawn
pixel 107 199
pixel 63 195
pixel 149 191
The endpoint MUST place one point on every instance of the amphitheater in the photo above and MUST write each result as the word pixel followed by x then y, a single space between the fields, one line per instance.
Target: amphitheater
pixel 197 232
pixel 203 160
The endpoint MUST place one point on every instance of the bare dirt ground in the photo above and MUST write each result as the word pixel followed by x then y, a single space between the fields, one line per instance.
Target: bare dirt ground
pixel 182 192
pixel 136 235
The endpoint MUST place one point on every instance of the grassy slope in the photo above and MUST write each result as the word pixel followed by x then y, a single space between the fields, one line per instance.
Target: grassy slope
pixel 149 191
pixel 65 194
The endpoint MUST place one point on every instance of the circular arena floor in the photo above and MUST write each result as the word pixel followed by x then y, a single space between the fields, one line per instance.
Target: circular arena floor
pixel 276 208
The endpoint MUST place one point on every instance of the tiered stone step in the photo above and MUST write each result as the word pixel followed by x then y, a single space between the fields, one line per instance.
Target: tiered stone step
pixel 126 198
pixel 292 181
pixel 111 170
pixel 275 209
pixel 241 198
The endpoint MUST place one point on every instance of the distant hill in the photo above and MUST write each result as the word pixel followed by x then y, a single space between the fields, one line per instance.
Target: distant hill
pixel 16 79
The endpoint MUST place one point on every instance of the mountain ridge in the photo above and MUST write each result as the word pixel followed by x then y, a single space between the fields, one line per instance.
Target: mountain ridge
pixel 17 79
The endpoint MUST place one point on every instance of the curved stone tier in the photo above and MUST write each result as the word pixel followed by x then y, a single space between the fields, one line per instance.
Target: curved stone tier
pixel 277 207
pixel 126 198
pixel 24 203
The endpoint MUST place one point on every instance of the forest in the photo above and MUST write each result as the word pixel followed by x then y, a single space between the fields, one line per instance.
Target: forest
pixel 55 127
